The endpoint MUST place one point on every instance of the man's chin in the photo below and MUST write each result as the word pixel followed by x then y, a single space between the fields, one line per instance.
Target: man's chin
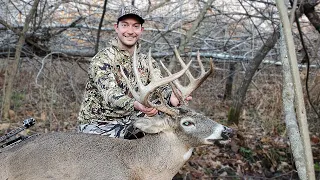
pixel 128 43
pixel 131 42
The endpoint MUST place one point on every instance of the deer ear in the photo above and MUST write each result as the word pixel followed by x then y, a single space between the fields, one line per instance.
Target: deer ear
pixel 151 124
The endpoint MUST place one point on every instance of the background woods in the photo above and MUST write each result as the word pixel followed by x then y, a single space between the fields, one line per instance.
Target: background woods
pixel 46 45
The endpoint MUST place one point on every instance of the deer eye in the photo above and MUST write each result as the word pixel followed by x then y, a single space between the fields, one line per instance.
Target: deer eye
pixel 188 123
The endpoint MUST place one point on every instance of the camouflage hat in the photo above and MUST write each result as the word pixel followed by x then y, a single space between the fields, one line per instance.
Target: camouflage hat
pixel 130 10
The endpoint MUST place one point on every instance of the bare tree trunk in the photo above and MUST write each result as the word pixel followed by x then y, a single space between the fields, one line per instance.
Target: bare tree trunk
pixel 235 110
pixel 289 113
pixel 229 83
pixel 12 69
pixel 96 48
pixel 298 98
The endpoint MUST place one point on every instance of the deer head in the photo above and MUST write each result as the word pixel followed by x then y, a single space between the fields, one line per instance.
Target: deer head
pixel 173 115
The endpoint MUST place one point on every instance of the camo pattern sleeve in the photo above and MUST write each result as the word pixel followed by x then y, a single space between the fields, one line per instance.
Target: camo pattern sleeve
pixel 106 96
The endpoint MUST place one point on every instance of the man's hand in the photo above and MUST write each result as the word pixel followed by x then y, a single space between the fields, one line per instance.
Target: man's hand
pixel 146 110
pixel 152 111
pixel 175 101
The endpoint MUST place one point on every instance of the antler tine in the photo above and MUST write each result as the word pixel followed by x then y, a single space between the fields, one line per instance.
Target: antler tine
pixel 185 91
pixel 143 96
pixel 135 71
pixel 182 63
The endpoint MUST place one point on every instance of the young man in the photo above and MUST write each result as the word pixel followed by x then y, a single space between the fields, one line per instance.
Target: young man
pixel 107 107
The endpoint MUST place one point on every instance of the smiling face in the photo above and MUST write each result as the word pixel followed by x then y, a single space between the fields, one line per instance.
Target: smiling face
pixel 129 30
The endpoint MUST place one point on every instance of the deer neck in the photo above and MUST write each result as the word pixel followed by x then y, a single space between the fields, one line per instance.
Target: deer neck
pixel 163 156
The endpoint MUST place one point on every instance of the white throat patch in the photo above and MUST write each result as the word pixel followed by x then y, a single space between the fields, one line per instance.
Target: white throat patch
pixel 188 154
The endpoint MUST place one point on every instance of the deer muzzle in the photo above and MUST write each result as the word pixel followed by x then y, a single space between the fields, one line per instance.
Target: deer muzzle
pixel 227 133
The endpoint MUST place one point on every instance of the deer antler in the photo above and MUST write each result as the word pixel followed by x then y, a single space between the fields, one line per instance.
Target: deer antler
pixel 144 92
pixel 185 91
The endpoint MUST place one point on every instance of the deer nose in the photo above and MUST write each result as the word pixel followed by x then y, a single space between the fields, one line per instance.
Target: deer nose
pixel 227 133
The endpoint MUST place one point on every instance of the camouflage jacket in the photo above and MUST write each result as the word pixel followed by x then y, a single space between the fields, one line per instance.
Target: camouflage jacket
pixel 106 97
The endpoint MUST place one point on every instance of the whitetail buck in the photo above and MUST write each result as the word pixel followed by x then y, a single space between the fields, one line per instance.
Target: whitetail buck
pixel 159 155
